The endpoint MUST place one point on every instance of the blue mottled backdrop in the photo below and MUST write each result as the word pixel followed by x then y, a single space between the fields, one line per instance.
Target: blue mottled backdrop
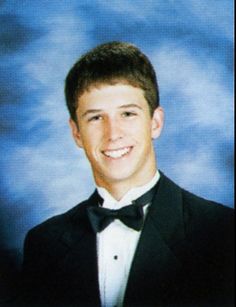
pixel 190 43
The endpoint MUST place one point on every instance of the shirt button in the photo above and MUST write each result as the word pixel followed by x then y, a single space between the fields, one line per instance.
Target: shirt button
pixel 115 257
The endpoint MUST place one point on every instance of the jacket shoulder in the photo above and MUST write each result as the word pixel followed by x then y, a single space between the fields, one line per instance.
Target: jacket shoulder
pixel 54 228
pixel 193 206
pixel 208 224
pixel 201 217
pixel 58 220
pixel 201 207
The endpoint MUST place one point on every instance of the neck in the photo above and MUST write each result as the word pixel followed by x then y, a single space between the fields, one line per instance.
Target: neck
pixel 120 188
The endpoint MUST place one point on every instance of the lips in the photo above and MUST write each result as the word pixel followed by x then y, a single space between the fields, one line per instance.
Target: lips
pixel 117 153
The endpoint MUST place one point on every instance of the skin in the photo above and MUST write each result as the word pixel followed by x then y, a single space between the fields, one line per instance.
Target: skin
pixel 114 120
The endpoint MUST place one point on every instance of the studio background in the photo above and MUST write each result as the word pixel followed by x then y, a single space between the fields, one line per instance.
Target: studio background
pixel 43 173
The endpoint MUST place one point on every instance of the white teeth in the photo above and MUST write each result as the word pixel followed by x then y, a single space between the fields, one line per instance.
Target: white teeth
pixel 117 153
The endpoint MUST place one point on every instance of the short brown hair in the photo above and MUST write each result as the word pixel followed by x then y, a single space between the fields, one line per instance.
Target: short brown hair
pixel 111 63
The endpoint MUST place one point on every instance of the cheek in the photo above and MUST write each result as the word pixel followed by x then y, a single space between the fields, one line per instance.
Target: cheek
pixel 141 131
pixel 133 128
pixel 88 135
pixel 91 142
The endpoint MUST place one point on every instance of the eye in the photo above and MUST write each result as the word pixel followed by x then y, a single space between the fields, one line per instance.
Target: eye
pixel 95 118
pixel 128 114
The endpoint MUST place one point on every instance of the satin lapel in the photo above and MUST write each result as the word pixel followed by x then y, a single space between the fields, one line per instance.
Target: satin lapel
pixel 155 261
pixel 80 261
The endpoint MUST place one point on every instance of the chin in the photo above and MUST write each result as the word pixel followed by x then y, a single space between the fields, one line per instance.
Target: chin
pixel 116 176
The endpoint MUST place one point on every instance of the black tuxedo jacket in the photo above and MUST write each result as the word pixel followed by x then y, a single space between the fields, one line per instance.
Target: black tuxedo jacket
pixel 184 256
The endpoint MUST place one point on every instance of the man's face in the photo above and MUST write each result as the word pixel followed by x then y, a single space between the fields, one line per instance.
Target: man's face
pixel 116 131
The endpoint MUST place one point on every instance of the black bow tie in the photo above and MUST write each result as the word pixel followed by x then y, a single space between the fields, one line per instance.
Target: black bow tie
pixel 131 215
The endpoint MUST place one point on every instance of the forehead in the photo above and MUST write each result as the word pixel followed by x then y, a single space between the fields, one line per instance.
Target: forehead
pixel 107 96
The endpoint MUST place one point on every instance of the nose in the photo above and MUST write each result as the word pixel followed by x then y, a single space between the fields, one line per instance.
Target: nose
pixel 113 130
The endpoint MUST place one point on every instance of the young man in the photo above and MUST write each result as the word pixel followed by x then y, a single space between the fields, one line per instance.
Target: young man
pixel 139 240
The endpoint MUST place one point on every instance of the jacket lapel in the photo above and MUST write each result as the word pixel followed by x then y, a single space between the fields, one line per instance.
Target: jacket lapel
pixel 80 261
pixel 156 262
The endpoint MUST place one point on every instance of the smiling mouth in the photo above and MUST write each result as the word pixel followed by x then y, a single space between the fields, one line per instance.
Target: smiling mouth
pixel 117 153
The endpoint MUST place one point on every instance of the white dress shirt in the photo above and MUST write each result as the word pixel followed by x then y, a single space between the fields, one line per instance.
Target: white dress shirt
pixel 116 246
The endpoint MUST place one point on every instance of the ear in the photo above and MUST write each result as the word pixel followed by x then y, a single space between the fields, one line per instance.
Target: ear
pixel 157 122
pixel 75 132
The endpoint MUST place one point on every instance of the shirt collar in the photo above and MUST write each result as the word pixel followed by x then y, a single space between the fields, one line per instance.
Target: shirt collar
pixel 111 203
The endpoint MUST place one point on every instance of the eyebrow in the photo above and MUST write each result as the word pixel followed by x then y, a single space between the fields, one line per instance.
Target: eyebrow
pixel 131 105
pixel 94 111
pixel 91 111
